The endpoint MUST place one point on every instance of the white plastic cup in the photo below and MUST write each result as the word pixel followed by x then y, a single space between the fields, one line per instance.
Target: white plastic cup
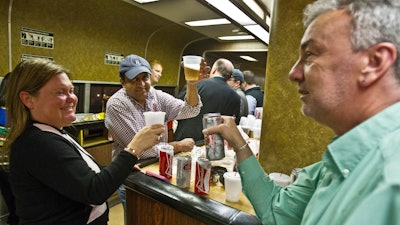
pixel 151 118
pixel 257 123
pixel 233 186
pixel 280 179
pixel 257 133
pixel 258 112
pixel 244 122
pixel 251 121
pixel 191 64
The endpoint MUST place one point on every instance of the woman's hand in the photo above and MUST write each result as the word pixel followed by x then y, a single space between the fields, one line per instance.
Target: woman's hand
pixel 147 137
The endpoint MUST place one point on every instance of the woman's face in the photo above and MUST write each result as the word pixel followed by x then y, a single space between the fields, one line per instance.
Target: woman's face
pixel 55 103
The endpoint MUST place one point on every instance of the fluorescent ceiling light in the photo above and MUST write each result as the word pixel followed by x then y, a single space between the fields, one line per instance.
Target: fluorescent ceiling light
pixel 145 1
pixel 255 7
pixel 229 9
pixel 234 38
pixel 259 31
pixel 200 23
pixel 248 58
pixel 268 21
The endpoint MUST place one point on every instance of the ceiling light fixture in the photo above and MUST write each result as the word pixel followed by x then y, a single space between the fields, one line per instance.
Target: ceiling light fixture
pixel 268 21
pixel 259 31
pixel 200 23
pixel 255 7
pixel 233 12
pixel 145 1
pixel 229 9
pixel 248 58
pixel 233 38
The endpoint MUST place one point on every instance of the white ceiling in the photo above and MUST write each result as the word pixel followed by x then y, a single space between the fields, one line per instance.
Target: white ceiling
pixel 180 11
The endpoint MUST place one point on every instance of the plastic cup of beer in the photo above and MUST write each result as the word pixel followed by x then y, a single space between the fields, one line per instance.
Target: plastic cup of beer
pixel 233 186
pixel 151 118
pixel 191 65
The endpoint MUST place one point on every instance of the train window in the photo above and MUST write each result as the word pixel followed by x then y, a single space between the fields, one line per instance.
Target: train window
pixel 80 93
pixel 99 94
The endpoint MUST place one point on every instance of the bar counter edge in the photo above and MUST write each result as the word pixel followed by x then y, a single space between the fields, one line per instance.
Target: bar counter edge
pixel 199 207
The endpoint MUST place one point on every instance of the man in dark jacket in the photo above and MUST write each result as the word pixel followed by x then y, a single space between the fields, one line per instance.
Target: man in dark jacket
pixel 254 95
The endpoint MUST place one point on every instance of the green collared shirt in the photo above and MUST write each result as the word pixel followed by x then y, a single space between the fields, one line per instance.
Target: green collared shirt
pixel 357 182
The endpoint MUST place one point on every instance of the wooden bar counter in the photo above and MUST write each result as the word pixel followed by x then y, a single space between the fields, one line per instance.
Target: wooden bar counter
pixel 151 201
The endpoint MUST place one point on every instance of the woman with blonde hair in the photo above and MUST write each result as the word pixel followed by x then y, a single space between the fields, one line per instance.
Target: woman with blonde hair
pixel 54 180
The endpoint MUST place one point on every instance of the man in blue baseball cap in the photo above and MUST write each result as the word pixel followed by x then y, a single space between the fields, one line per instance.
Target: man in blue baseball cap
pixel 124 111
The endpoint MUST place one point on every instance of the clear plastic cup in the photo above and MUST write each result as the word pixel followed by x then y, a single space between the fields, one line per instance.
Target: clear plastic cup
pixel 191 64
pixel 151 118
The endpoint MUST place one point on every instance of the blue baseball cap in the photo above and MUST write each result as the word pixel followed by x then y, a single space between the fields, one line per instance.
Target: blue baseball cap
pixel 238 75
pixel 133 65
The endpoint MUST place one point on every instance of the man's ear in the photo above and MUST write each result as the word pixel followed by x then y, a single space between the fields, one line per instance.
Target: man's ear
pixel 213 70
pixel 122 82
pixel 381 58
pixel 26 99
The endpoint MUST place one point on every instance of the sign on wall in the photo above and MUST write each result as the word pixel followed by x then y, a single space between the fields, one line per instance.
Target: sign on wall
pixel 113 58
pixel 37 38
pixel 27 56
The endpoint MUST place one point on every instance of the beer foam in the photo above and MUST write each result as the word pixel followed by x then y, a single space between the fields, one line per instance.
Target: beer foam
pixel 193 66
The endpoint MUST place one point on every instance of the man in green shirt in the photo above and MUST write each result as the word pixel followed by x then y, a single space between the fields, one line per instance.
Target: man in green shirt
pixel 348 77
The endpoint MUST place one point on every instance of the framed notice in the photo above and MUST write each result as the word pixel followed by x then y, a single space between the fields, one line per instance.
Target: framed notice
pixel 113 58
pixel 26 56
pixel 37 38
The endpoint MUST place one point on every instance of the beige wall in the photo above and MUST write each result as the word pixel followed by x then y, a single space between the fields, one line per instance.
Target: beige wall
pixel 85 30
pixel 3 38
pixel 288 139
